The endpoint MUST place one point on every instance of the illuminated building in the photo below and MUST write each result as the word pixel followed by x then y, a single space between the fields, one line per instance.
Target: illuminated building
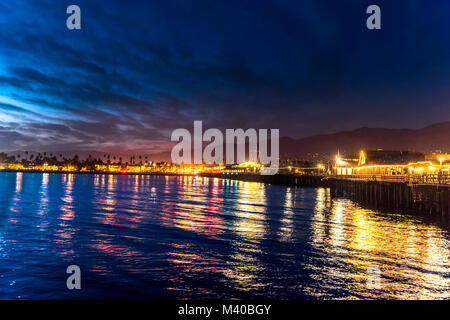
pixel 394 166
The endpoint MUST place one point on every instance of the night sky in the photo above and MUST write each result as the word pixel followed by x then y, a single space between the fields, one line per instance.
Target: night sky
pixel 139 69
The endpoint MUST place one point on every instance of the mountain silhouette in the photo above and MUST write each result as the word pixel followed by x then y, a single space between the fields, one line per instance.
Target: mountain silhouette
pixel 435 137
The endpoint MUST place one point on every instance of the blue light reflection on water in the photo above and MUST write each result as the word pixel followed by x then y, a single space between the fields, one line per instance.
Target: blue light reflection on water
pixel 193 237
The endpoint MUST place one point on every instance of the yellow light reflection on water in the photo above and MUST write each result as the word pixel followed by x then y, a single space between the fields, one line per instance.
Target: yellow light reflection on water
pixel 249 224
pixel 412 257
pixel 15 207
pixel 19 180
pixel 65 231
pixel 320 218
pixel 43 202
pixel 287 223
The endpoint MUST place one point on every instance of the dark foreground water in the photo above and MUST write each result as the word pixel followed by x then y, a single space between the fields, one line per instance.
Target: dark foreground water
pixel 187 237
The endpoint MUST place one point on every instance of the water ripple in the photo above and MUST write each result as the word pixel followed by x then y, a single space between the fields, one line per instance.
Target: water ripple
pixel 192 237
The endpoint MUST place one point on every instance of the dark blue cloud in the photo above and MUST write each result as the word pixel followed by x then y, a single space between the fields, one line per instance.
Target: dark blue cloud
pixel 137 70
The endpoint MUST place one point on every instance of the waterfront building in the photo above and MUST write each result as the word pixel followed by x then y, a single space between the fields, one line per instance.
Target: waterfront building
pixel 393 166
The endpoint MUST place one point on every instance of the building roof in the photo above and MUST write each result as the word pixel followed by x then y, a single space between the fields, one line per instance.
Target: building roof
pixel 389 157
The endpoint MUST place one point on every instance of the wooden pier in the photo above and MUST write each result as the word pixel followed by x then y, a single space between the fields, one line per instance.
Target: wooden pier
pixel 430 200
pixel 427 200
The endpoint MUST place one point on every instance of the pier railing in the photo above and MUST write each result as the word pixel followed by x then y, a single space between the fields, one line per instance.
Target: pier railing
pixel 414 179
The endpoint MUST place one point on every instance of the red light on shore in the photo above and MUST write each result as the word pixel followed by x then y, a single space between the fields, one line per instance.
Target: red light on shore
pixel 123 171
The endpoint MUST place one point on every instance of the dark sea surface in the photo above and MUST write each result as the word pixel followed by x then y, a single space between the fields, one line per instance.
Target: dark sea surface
pixel 148 237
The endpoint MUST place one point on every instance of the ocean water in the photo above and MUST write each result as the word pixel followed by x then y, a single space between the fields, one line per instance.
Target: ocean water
pixel 157 237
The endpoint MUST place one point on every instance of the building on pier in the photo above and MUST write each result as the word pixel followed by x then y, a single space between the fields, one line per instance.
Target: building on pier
pixel 394 166
pixel 241 168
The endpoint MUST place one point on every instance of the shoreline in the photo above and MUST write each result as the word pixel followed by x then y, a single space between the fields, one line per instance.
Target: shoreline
pixel 279 179
pixel 98 172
